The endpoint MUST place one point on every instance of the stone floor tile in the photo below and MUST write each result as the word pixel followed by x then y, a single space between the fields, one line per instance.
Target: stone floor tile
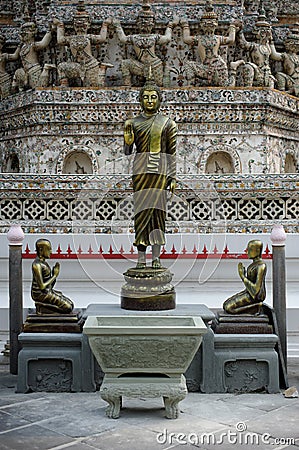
pixel 185 423
pixel 76 446
pixel 265 402
pixel 220 411
pixel 9 422
pixel 279 423
pixel 126 438
pixel 57 405
pixel 88 423
pixel 31 438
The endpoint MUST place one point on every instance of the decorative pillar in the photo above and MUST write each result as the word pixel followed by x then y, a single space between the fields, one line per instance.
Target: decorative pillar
pixel 278 238
pixel 15 237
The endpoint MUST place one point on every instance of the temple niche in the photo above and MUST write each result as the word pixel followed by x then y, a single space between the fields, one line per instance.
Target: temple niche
pixel 12 164
pixel 290 165
pixel 77 162
pixel 220 162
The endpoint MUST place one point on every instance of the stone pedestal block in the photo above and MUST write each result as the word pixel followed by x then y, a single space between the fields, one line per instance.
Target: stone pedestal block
pixel 244 363
pixel 148 290
pixel 55 362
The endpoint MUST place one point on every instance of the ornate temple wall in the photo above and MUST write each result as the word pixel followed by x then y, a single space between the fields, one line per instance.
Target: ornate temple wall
pixel 220 131
pixel 61 129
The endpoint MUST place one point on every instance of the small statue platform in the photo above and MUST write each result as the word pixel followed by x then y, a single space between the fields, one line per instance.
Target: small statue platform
pixel 54 323
pixel 241 324
pixel 148 289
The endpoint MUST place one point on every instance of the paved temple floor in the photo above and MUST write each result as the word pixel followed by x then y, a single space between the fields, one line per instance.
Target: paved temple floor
pixel 77 421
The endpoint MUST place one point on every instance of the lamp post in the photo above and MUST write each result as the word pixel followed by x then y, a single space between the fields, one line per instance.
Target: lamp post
pixel 278 238
pixel 15 237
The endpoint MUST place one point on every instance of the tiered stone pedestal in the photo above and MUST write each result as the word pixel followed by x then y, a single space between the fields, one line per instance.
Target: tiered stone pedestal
pixel 54 323
pixel 148 290
pixel 241 324
pixel 244 356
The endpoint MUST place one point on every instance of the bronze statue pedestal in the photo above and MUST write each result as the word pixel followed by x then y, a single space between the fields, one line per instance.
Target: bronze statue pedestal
pixel 241 324
pixel 54 323
pixel 148 289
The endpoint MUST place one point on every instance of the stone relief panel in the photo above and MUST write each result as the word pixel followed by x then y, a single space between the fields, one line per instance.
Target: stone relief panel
pixel 246 376
pixel 107 53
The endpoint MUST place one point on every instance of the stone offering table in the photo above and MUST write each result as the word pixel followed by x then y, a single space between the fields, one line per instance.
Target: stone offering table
pixel 144 356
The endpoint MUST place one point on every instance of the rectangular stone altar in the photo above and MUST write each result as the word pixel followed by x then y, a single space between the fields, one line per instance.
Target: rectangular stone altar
pixel 224 363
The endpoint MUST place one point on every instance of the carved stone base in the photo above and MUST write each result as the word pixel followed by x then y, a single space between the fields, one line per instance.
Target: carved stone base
pixel 148 289
pixel 54 323
pixel 54 362
pixel 241 324
pixel 245 363
pixel 173 390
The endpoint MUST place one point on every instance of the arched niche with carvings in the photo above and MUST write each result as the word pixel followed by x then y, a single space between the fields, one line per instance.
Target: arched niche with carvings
pixel 12 163
pixel 290 164
pixel 220 159
pixel 220 162
pixel 78 160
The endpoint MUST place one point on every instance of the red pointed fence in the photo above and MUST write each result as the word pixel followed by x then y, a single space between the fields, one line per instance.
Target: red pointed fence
pixel 114 253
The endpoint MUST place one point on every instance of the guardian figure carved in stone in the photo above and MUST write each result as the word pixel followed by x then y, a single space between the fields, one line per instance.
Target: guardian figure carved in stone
pixel 82 66
pixel 5 78
pixel 31 75
pixel 257 71
pixel 212 70
pixel 144 45
pixel 288 79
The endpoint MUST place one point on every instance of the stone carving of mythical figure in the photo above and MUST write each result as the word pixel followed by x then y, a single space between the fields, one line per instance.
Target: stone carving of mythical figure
pixel 212 70
pixel 154 170
pixel 5 79
pixel 257 71
pixel 144 45
pixel 31 74
pixel 250 300
pixel 288 80
pixel 47 300
pixel 83 65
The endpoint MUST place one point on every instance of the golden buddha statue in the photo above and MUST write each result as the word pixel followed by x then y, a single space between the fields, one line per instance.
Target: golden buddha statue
pixel 47 300
pixel 250 300
pixel 154 170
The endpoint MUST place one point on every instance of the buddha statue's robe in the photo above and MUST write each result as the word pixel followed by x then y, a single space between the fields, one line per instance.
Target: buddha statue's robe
pixel 153 169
